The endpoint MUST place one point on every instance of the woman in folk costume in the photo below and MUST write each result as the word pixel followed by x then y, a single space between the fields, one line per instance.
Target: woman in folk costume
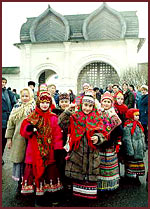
pixel 15 142
pixel 44 138
pixel 133 143
pixel 109 168
pixel 86 133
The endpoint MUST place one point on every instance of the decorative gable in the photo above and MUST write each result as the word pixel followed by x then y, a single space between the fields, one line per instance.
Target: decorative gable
pixel 49 26
pixel 104 23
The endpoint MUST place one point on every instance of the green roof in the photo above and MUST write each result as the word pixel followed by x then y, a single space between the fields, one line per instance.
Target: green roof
pixel 103 23
pixel 10 70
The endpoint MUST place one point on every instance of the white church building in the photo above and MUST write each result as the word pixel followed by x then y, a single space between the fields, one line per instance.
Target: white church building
pixel 73 49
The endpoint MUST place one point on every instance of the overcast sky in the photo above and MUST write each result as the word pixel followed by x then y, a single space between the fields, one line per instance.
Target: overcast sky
pixel 14 14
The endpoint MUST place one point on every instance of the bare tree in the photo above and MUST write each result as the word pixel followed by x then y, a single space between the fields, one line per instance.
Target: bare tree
pixel 135 76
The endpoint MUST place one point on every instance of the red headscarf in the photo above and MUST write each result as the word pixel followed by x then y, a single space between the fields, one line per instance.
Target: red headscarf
pixel 130 119
pixel 122 109
pixel 81 124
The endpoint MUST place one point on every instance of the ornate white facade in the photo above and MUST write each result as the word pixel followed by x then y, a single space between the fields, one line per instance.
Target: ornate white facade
pixel 64 45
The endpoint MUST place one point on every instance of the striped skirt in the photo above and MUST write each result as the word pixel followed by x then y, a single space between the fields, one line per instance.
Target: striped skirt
pixel 134 168
pixel 108 179
pixel 85 189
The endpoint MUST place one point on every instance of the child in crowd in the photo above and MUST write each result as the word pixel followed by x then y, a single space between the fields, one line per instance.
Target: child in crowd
pixel 134 146
pixel 119 106
pixel 86 134
pixel 64 111
pixel 44 139
pixel 109 168
pixel 15 141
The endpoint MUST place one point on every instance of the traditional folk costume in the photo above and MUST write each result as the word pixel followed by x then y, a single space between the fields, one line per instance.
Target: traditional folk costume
pixel 82 165
pixel 18 114
pixel 44 137
pixel 134 145
pixel 108 179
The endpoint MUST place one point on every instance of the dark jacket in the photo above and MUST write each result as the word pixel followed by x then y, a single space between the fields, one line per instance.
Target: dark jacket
pixel 143 107
pixel 7 105
pixel 129 99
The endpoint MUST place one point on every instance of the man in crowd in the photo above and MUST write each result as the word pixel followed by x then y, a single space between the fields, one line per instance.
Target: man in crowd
pixel 8 101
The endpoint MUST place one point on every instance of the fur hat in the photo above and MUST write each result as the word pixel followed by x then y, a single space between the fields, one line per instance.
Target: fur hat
pixel 107 95
pixel 88 98
pixel 31 83
pixel 144 87
pixel 130 113
pixel 64 96
pixel 86 84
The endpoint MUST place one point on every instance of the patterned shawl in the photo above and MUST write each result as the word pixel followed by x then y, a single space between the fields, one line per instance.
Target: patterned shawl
pixel 41 121
pixel 81 124
pixel 23 109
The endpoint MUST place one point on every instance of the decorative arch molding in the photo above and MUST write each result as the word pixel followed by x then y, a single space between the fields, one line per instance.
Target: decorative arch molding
pixel 42 67
pixel 104 23
pixel 96 58
pixel 47 24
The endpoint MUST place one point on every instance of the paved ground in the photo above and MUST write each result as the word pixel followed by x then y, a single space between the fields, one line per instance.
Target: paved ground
pixel 126 196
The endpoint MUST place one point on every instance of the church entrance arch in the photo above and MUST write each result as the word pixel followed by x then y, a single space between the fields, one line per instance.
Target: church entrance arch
pixel 48 77
pixel 97 74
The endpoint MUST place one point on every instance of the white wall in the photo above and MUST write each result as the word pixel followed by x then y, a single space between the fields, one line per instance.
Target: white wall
pixel 67 59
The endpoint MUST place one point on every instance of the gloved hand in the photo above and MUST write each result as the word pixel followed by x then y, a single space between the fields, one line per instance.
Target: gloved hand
pixel 30 128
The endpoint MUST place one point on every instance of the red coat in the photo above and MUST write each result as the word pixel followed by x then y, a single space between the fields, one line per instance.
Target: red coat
pixel 32 152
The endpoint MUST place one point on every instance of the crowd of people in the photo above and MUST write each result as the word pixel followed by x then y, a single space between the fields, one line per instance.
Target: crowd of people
pixel 68 146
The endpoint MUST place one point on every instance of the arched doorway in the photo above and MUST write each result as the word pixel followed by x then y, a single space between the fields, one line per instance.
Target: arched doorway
pixel 49 77
pixel 97 74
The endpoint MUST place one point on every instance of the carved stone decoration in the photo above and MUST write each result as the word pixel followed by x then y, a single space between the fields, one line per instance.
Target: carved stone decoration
pixel 49 26
pixel 104 23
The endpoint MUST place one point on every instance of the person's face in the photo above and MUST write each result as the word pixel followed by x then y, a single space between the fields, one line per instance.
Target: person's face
pixel 131 89
pixel 143 91
pixel 136 116
pixel 120 99
pixel 106 104
pixel 115 89
pixel 4 82
pixel 85 88
pixel 52 90
pixel 87 107
pixel 124 87
pixel 44 106
pixel 25 97
pixel 64 103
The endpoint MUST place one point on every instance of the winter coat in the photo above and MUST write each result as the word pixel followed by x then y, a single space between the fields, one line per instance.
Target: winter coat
pixel 57 142
pixel 5 107
pixel 134 145
pixel 18 148
pixel 143 107
pixel 129 99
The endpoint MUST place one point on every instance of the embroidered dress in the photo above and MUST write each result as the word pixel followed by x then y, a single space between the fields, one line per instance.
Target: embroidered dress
pixel 108 179
pixel 82 165
pixel 41 173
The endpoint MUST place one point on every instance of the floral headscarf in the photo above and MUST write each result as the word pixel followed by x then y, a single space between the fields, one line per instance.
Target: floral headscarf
pixel 81 124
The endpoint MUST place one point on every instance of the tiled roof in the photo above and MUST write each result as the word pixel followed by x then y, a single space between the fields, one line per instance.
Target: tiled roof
pixel 103 23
